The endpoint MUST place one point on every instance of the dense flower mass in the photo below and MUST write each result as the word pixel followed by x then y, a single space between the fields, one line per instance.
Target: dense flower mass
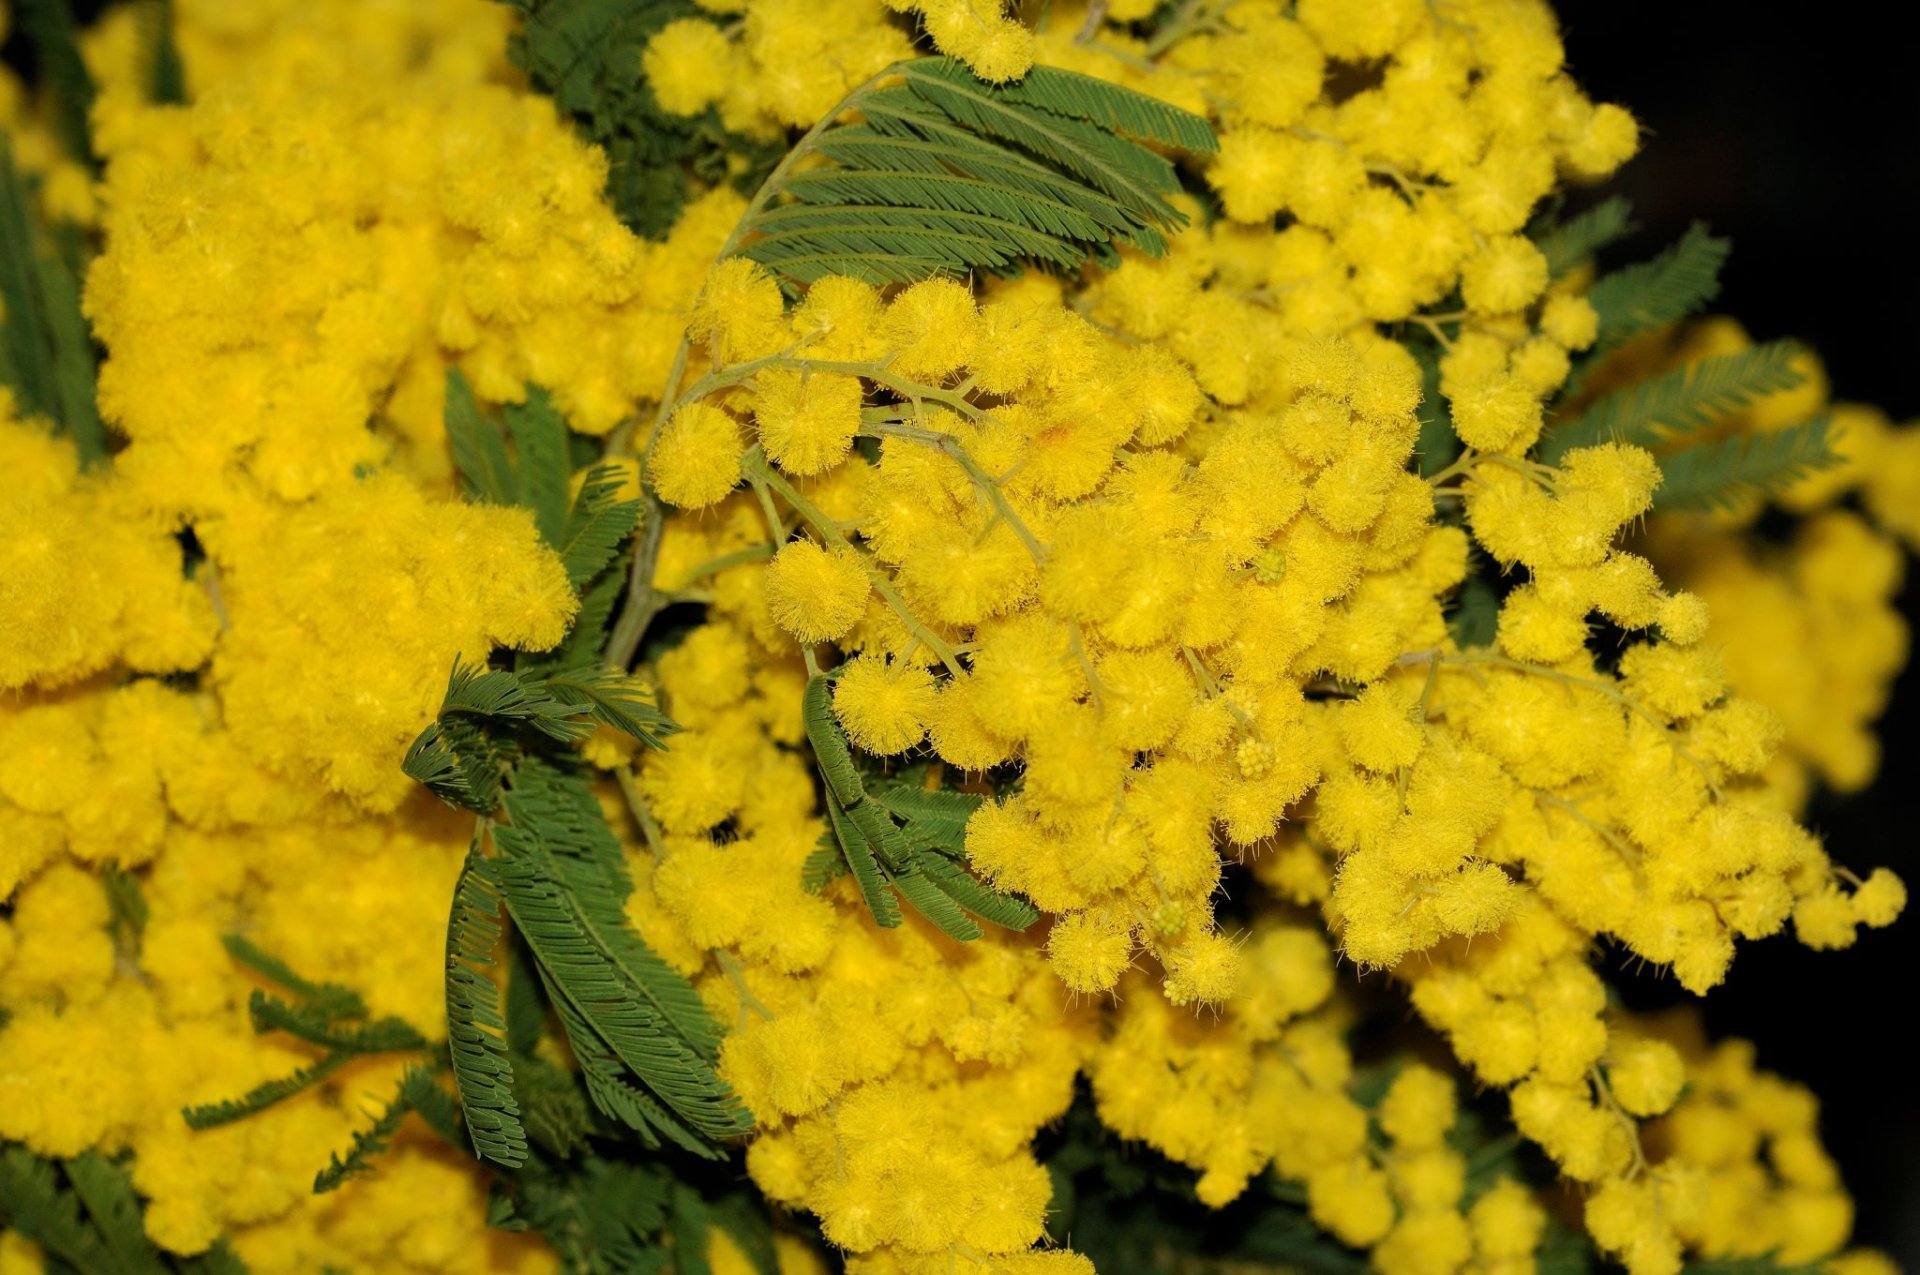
pixel 1342 576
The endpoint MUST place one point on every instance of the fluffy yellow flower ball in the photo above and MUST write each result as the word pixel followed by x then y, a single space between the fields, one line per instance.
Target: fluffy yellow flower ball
pixel 696 460
pixel 817 594
pixel 883 706
pixel 806 420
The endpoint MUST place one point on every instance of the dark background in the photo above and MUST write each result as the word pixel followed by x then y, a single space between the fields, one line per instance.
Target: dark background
pixel 1801 141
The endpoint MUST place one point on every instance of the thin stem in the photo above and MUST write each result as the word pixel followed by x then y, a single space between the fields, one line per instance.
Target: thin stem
pixel 637 805
pixel 643 600
pixel 730 964
pixel 882 583
pixel 1201 672
pixel 1593 825
pixel 954 448
pixel 1086 667
pixel 1096 14
pixel 1433 329
pixel 1457 469
pixel 1608 1101
pixel 776 533
pixel 739 557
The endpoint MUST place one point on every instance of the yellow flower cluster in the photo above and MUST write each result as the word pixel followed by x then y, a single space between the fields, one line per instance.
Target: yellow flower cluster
pixel 260 297
pixel 1153 538
pixel 897 1077
pixel 292 262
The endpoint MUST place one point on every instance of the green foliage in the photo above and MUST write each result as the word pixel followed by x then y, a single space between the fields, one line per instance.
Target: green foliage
pixel 479 450
pixel 1728 472
pixel 1437 446
pixel 49 27
pixel 328 998
pixel 1652 294
pixel 553 1107
pixel 386 1035
pixel 46 352
pixel 586 55
pixel 645 1042
pixel 608 1215
pixel 825 864
pixel 481 1070
pixel 1474 616
pixel 367 1143
pixel 602 1216
pixel 1684 401
pixel 1129 1209
pixel 1571 242
pixel 127 909
pixel 264 1095
pixel 543 462
pixel 321 1014
pixel 586 529
pixel 596 524
pixel 434 1104
pixel 84 1215
pixel 490 719
pixel 169 75
pixel 901 840
pixel 942 173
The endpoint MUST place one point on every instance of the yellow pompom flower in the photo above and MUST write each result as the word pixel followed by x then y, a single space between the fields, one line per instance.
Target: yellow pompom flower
pixel 688 63
pixel 1507 275
pixel 696 460
pixel 806 421
pixel 817 594
pixel 931 328
pixel 883 705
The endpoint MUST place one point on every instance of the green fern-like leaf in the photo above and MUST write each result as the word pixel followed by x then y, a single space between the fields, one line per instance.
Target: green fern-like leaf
pixel 563 879
pixel 825 863
pixel 106 1193
pixel 328 999
pixel 49 26
pixel 262 1096
pixel 933 171
pixel 479 450
pixel 858 856
pixel 46 352
pixel 933 816
pixel 552 1107
pixel 1569 243
pixel 1008 911
pixel 596 524
pixel 367 1143
pixel 436 1106
pixel 587 55
pixel 829 745
pixel 611 698
pixel 1677 283
pixel 35 1202
pixel 1730 471
pixel 475 1029
pixel 586 643
pixel 385 1035
pixel 1683 401
pixel 933 903
pixel 543 461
